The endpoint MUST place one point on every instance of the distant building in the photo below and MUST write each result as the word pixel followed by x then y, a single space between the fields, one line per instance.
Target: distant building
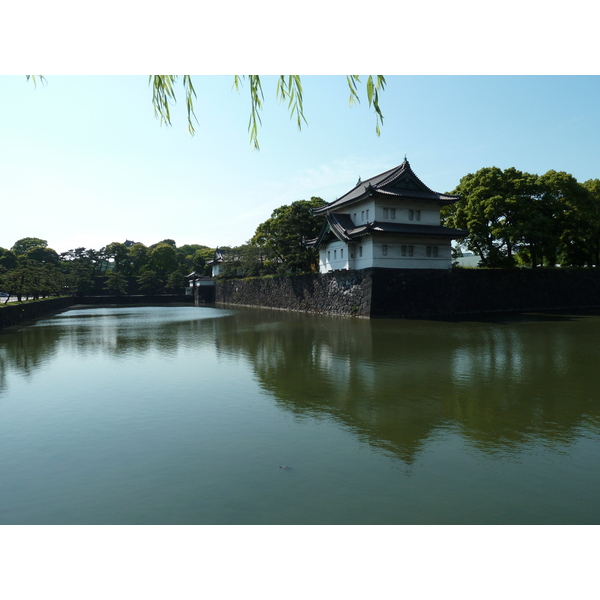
pixel 391 220
pixel 468 259
pixel 216 263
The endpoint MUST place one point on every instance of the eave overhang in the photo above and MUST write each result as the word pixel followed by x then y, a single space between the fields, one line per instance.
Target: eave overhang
pixel 399 183
pixel 341 226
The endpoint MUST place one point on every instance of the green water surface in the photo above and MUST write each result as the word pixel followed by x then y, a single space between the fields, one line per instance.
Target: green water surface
pixel 184 415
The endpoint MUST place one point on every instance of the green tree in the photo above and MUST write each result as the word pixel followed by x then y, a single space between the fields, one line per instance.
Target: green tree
pixel 492 207
pixel 116 283
pixel 515 217
pixel 150 282
pixel 8 259
pixel 574 217
pixel 80 278
pixel 138 258
pixel 43 255
pixel 176 281
pixel 23 245
pixel 284 233
pixel 163 259
pixel 118 253
pixel 593 187
pixel 79 266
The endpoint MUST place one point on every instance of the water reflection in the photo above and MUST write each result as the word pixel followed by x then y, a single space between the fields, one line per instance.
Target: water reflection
pixel 503 385
pixel 395 384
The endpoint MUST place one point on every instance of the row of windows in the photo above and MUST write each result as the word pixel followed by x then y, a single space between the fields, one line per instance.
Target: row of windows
pixel 362 216
pixel 388 213
pixel 410 250
pixel 404 251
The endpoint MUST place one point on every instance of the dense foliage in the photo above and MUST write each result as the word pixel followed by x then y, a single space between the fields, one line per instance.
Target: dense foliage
pixel 519 219
pixel 277 246
pixel 32 270
pixel 513 218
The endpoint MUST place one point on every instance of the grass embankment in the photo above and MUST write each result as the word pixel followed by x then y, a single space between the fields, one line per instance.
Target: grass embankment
pixel 30 301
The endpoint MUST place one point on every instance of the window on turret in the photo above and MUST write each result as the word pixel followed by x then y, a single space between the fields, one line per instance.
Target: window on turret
pixel 360 251
pixel 403 250
pixel 335 255
pixel 341 253
pixel 411 250
pixel 384 250
pixel 417 215
pixel 411 215
pixel 367 214
pixel 392 213
pixel 386 213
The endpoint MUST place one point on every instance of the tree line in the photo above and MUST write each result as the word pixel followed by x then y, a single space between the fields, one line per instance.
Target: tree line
pixel 30 269
pixel 516 218
pixel 277 246
pixel 513 218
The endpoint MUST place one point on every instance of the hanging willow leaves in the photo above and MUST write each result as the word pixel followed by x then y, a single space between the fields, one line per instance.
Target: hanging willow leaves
pixel 289 90
pixel 34 79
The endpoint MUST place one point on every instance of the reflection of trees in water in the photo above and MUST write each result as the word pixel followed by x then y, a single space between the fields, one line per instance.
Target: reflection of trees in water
pixel 123 332
pixel 24 350
pixel 398 383
pixel 90 331
pixel 519 383
pixel 395 383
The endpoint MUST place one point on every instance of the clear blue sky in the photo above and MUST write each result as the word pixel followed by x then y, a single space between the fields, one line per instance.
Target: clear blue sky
pixel 84 162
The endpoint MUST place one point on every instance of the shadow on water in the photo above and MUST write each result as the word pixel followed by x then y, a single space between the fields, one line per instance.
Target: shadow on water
pixel 502 383
pixel 511 317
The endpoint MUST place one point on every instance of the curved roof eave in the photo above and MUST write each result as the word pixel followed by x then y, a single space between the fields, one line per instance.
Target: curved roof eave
pixel 374 185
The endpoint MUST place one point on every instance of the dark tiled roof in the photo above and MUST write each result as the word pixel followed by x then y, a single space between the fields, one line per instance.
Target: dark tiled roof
pixel 341 226
pixel 413 229
pixel 219 257
pixel 399 182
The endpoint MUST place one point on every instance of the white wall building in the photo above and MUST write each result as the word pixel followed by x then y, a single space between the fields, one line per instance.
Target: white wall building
pixel 216 264
pixel 391 220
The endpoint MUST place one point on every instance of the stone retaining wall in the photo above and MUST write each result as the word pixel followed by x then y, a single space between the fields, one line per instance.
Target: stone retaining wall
pixel 14 314
pixel 345 293
pixel 418 293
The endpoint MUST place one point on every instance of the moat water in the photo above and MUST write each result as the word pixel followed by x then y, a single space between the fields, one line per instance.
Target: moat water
pixel 185 415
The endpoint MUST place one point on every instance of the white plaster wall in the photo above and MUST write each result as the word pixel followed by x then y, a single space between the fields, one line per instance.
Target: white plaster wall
pixel 430 212
pixel 372 254
pixel 366 260
pixel 334 257
pixel 419 259
pixel 358 212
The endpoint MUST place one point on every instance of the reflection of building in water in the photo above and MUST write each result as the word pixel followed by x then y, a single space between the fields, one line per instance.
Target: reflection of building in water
pixel 399 383
pixel 394 383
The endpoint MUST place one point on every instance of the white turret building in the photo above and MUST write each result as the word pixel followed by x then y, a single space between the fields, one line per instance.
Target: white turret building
pixel 391 220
